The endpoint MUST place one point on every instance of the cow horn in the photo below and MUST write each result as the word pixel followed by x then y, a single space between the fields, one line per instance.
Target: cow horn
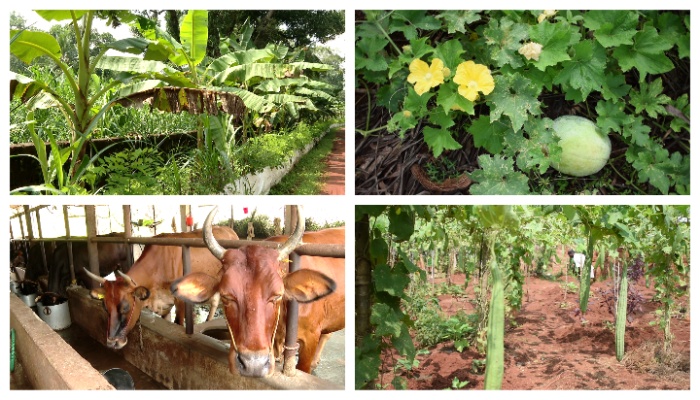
pixel 96 278
pixel 295 239
pixel 216 249
pixel 126 278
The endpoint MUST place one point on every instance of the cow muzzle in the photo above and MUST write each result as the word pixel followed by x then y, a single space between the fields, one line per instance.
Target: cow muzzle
pixel 117 343
pixel 254 364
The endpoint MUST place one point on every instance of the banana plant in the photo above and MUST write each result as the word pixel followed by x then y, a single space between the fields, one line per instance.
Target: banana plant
pixel 82 107
pixel 265 84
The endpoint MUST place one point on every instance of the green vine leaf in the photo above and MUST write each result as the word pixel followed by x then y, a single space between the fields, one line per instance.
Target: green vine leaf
pixel 409 21
pixel 450 99
pixel 497 177
pixel 504 39
pixel 402 222
pixel 488 135
pixel 387 280
pixel 611 116
pixel 585 72
pixel 368 53
pixel 650 98
pixel 615 88
pixel 439 140
pixel 612 27
pixel 514 97
pixel 647 53
pixel 459 20
pixel 653 165
pixel 541 148
pixel 450 52
pixel 637 132
pixel 555 40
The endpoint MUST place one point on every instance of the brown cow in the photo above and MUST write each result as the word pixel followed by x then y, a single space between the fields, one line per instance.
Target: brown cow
pixel 319 319
pixel 147 284
pixel 252 285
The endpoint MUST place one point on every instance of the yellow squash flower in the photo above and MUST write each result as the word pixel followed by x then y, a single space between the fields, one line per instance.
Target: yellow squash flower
pixel 473 78
pixel 425 77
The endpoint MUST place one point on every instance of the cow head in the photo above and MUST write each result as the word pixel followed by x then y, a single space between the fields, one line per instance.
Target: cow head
pixel 123 300
pixel 252 287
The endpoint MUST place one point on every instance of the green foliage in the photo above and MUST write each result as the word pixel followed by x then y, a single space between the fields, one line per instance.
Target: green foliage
pixel 131 172
pixel 274 149
pixel 619 68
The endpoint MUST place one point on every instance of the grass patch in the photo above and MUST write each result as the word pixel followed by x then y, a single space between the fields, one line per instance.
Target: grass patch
pixel 306 176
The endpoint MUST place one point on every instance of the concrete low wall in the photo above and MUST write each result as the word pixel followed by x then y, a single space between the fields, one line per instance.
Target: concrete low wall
pixel 47 360
pixel 179 361
pixel 261 182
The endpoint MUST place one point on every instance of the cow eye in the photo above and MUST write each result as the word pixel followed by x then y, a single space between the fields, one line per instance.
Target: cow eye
pixel 276 298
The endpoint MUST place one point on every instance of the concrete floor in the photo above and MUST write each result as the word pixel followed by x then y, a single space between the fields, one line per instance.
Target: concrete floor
pixel 332 364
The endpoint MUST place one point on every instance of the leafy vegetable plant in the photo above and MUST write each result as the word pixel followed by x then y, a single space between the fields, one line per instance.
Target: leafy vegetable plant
pixel 485 88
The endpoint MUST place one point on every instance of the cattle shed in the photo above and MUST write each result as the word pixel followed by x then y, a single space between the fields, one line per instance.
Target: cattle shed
pixel 179 358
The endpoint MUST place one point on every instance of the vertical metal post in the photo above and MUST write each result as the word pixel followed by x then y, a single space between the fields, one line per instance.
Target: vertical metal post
pixel 291 346
pixel 189 309
pixel 91 222
pixel 126 211
pixel 69 245
pixel 21 222
pixel 41 236
pixel 28 217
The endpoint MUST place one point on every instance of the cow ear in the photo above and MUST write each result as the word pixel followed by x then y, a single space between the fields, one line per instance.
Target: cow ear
pixel 97 294
pixel 306 285
pixel 142 293
pixel 196 287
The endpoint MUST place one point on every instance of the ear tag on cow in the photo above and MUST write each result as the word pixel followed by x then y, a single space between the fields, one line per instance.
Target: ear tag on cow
pixel 100 296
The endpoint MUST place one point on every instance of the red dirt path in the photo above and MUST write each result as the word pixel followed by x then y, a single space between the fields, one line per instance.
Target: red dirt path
pixel 547 347
pixel 334 177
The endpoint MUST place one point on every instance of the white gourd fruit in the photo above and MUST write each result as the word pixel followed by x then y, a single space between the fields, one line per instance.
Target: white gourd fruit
pixel 585 149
